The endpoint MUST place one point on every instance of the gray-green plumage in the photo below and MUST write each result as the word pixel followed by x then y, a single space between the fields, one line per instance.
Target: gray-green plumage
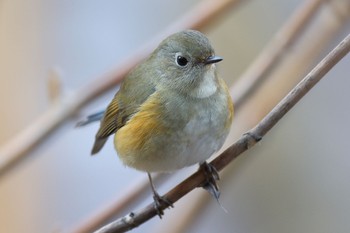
pixel 137 86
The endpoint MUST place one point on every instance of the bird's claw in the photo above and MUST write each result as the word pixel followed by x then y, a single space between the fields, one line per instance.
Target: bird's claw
pixel 159 202
pixel 212 176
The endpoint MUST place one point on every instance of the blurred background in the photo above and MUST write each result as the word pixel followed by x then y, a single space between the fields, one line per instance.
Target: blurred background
pixel 295 180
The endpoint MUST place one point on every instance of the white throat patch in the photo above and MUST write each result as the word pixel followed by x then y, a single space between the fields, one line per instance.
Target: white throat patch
pixel 208 86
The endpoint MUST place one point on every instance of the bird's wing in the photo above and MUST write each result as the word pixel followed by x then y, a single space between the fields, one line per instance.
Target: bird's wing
pixel 134 91
pixel 109 125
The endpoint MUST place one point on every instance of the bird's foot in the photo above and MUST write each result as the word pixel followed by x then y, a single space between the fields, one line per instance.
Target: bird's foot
pixel 159 202
pixel 212 176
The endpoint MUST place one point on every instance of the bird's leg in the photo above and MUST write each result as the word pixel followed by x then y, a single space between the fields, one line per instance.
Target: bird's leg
pixel 158 200
pixel 212 176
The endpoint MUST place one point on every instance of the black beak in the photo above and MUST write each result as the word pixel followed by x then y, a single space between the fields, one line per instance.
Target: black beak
pixel 212 59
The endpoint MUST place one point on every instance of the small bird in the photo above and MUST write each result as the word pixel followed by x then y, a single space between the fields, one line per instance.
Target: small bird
pixel 171 111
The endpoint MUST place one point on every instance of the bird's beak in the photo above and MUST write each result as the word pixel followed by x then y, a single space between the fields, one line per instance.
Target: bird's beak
pixel 212 59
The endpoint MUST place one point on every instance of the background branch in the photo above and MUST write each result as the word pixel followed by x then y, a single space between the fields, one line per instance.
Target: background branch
pixel 246 141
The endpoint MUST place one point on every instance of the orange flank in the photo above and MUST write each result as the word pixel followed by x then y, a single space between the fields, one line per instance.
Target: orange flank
pixel 132 137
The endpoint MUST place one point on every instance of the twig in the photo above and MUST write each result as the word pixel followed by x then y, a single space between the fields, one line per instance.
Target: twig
pixel 16 148
pixel 270 56
pixel 248 140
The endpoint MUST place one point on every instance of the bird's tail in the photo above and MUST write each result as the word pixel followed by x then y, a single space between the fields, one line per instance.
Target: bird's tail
pixel 91 118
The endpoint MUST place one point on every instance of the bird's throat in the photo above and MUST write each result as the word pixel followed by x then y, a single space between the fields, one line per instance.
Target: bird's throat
pixel 207 86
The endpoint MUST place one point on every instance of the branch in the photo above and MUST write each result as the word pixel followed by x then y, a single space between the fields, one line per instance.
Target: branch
pixel 248 140
pixel 18 147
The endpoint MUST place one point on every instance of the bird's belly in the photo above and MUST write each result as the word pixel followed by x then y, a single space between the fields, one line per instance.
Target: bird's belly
pixel 192 149
pixel 194 143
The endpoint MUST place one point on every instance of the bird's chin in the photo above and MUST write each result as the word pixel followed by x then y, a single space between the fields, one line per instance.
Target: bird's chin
pixel 206 85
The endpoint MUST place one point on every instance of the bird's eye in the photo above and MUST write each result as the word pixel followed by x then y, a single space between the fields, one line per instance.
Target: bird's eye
pixel 181 61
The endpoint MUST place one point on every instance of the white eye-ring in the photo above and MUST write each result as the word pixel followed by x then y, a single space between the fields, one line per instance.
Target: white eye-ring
pixel 181 60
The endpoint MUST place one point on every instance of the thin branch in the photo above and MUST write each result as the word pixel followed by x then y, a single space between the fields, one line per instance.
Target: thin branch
pixel 272 53
pixel 248 140
pixel 17 148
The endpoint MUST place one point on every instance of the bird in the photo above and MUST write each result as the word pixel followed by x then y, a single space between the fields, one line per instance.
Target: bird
pixel 171 111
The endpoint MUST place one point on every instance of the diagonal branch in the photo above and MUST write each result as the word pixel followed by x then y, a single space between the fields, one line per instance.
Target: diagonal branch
pixel 248 140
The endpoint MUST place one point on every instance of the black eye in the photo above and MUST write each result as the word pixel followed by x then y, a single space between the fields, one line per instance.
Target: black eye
pixel 181 61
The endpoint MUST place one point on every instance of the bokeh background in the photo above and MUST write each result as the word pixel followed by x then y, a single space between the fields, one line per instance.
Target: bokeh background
pixel 296 180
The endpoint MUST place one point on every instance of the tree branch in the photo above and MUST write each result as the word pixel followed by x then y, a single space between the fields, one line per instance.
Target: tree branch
pixel 248 140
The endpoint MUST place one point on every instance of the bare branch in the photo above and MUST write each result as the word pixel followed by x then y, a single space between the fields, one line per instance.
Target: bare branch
pixel 248 140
